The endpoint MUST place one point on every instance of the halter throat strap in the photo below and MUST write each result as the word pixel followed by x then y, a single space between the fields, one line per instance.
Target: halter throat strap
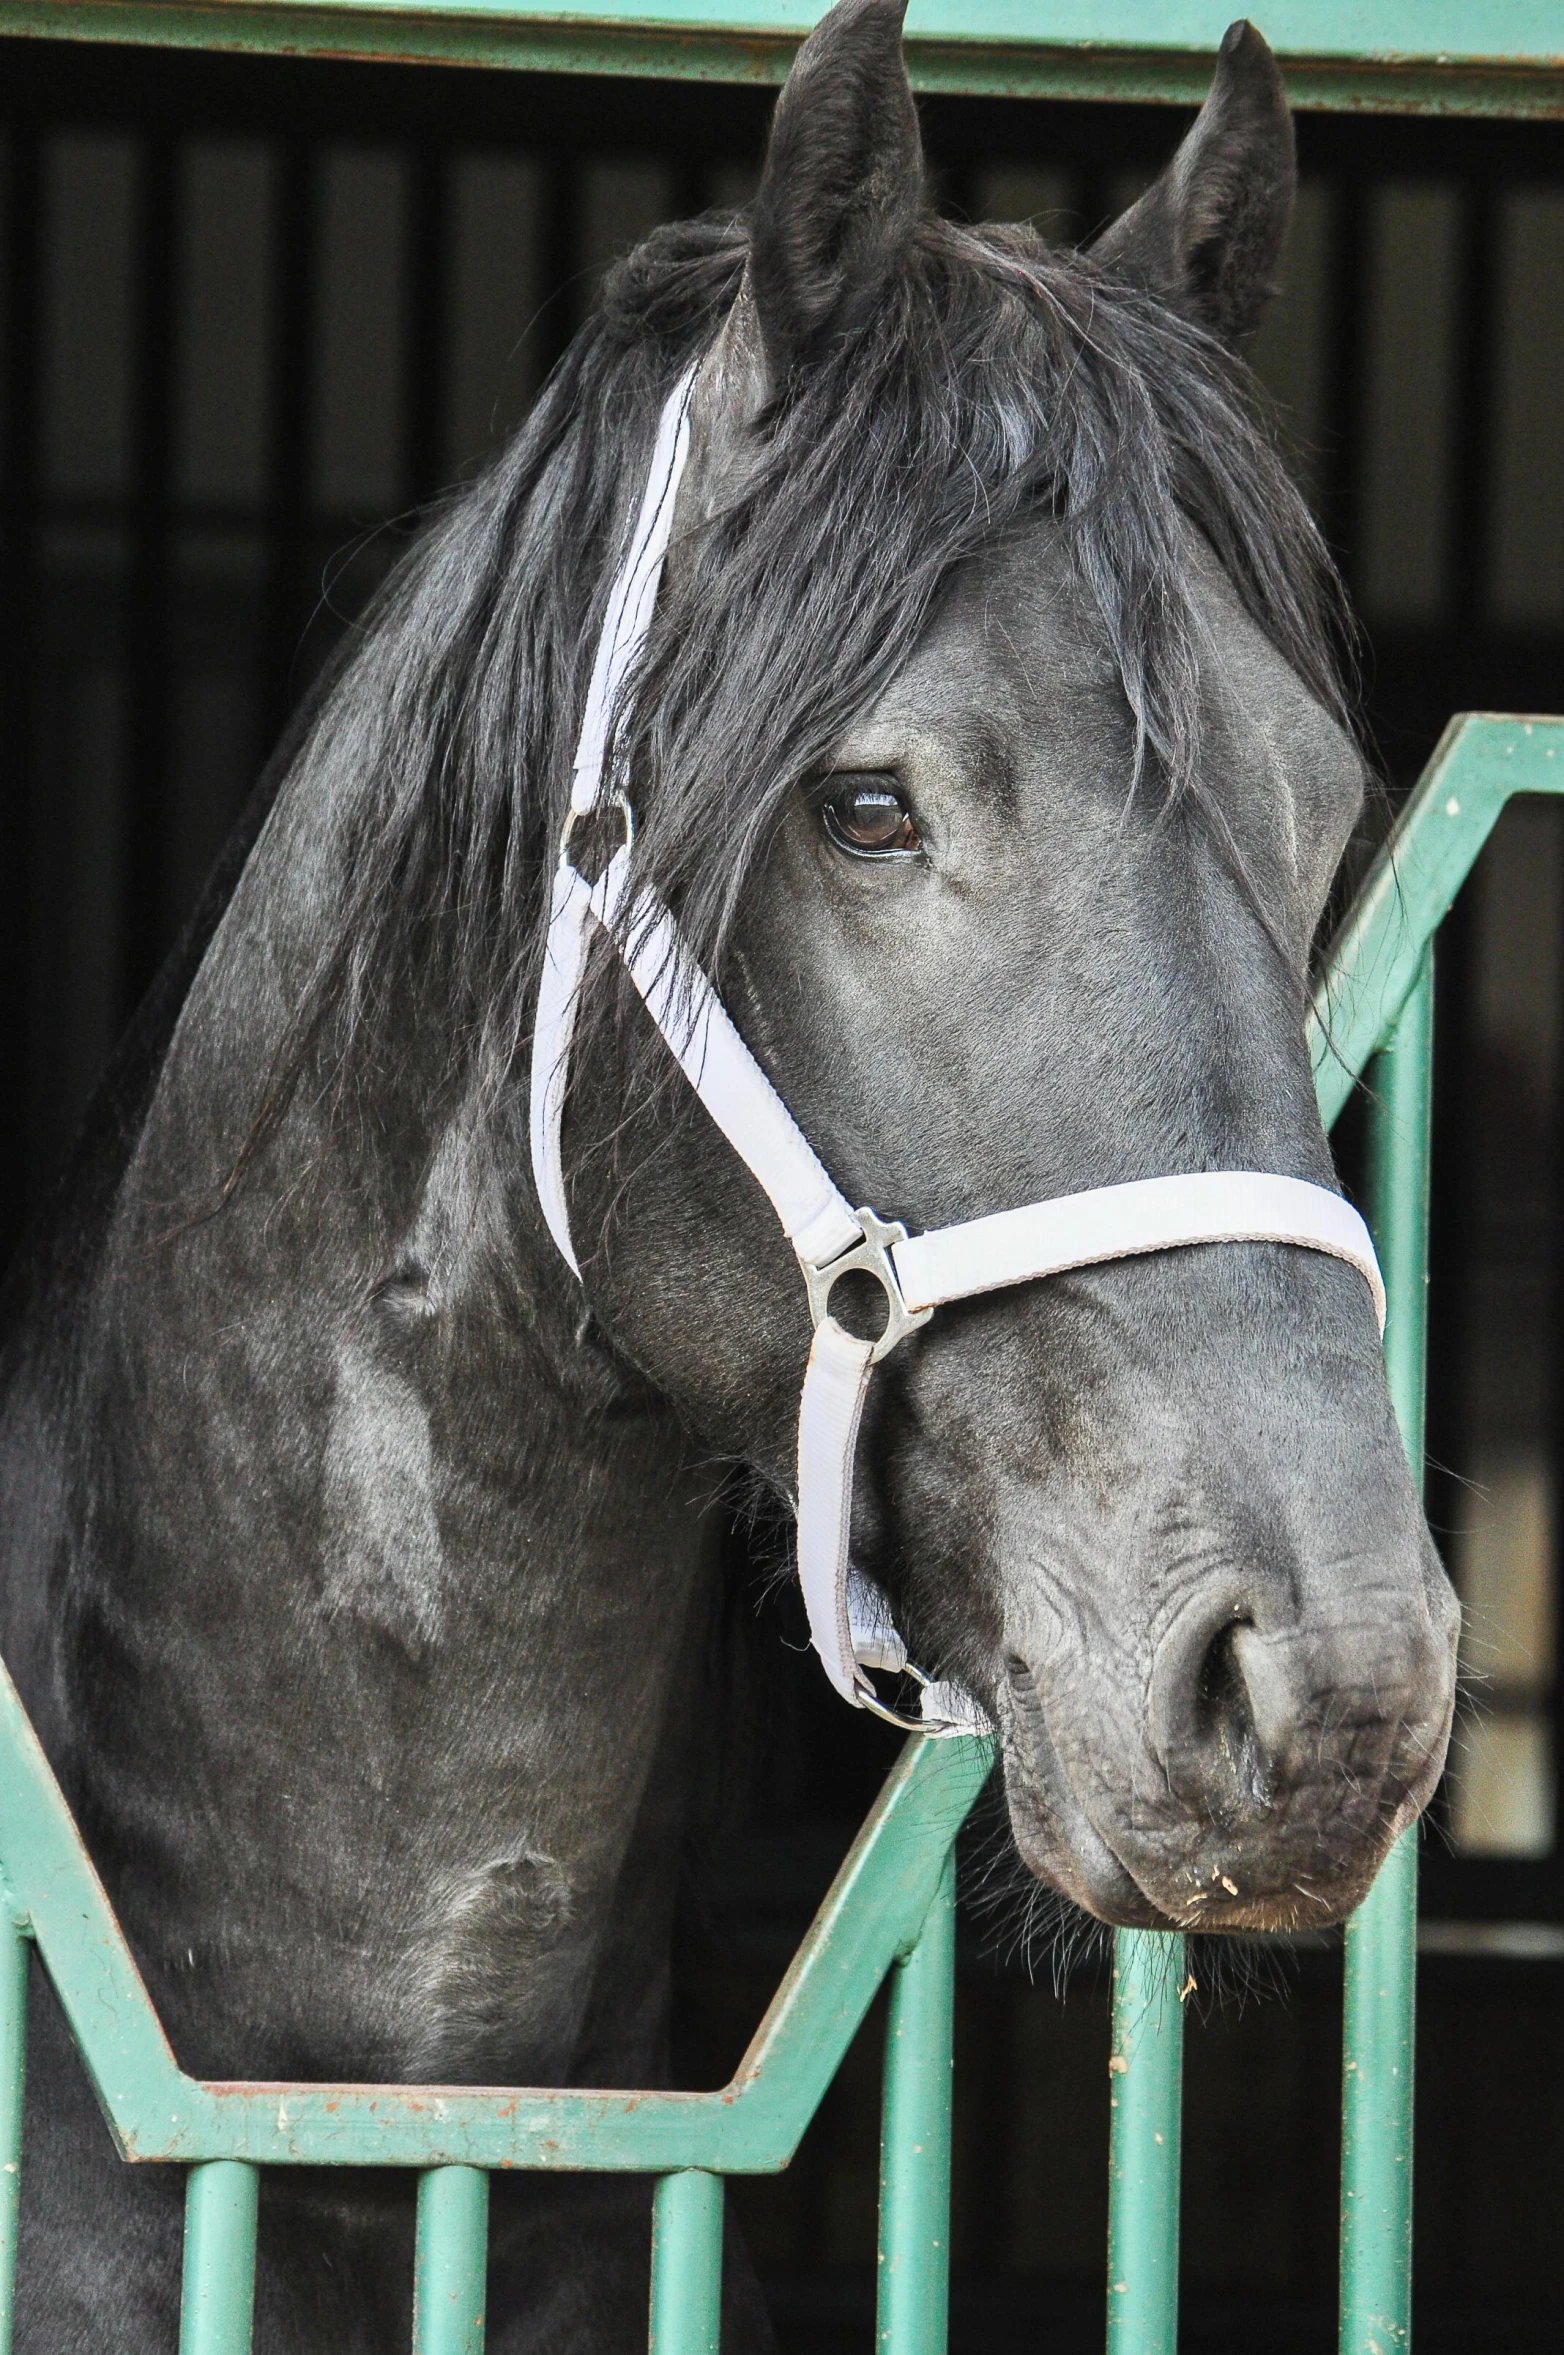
pixel 850 1622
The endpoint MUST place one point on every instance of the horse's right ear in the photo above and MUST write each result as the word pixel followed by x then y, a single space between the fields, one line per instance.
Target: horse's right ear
pixel 842 185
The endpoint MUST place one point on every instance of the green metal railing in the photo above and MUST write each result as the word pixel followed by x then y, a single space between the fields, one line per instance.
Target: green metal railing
pixel 889 1913
pixel 1486 57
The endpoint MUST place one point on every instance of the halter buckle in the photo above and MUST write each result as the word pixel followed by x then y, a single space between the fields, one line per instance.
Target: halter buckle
pixel 871 1256
pixel 606 803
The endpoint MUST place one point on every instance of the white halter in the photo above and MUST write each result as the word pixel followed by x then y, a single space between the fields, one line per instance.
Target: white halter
pixel 849 1620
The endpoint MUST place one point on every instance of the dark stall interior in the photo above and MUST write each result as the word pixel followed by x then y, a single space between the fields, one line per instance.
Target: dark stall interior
pixel 255 312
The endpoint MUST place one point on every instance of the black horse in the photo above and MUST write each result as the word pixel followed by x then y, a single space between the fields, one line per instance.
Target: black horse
pixel 989 747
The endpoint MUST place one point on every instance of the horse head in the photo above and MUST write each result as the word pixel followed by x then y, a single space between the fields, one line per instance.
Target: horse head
pixel 988 743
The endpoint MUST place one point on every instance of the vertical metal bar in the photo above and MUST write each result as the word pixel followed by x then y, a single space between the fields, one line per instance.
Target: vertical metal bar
pixel 427 340
pixel 1341 435
pixel 451 2270
pixel 1400 1111
pixel 13 2070
pixel 289 597
pixel 687 2263
pixel 913 2299
pixel 1473 439
pixel 560 313
pixel 217 2305
pixel 1146 2082
pixel 1381 1971
pixel 147 916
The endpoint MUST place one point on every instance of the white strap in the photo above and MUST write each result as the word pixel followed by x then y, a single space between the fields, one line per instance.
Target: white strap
pixel 559 994
pixel 633 597
pixel 626 620
pixel 700 1032
pixel 730 1083
pixel 835 1384
pixel 849 1620
pixel 1120 1222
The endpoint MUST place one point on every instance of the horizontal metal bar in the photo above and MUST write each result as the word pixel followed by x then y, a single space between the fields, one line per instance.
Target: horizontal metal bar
pixel 1478 57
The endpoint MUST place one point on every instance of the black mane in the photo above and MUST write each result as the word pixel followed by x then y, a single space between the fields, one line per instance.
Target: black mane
pixel 992 374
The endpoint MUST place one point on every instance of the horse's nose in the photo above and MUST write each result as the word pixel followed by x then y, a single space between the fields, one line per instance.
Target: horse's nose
pixel 1253 1702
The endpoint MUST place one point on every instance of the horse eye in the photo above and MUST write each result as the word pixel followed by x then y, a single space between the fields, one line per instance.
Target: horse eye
pixel 869 818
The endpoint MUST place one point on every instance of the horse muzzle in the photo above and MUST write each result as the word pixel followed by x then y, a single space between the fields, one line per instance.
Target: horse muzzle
pixel 1250 1770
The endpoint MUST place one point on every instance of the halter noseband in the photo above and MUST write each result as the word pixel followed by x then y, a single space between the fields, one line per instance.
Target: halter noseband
pixel 849 1620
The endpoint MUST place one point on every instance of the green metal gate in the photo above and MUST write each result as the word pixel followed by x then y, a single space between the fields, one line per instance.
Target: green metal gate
pixel 890 1912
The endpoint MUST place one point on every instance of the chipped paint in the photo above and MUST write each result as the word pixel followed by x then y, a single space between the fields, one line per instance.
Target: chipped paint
pixel 1453 57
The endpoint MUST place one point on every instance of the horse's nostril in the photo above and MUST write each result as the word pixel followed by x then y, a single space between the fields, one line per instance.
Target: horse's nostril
pixel 1224 1714
pixel 1220 1691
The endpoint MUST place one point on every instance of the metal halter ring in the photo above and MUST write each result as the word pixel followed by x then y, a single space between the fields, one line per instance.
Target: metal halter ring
pixel 574 818
pixel 869 1699
pixel 870 1257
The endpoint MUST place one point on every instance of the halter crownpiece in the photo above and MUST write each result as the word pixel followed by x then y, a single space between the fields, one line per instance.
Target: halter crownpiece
pixel 850 1621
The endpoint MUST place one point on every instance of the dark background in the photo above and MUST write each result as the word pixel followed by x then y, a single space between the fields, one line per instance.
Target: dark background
pixel 253 313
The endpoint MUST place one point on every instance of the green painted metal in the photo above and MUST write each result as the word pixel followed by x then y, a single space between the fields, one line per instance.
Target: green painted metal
pixel 686 2263
pixel 1400 1118
pixel 1145 2135
pixel 1376 2111
pixel 1479 762
pixel 13 2065
pixel 1381 1962
pixel 1495 57
pixel 913 2290
pixel 451 2263
pixel 217 2304
pixel 871 1914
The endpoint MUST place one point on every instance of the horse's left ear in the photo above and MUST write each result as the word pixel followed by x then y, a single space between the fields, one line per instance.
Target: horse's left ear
pixel 842 184
pixel 1208 236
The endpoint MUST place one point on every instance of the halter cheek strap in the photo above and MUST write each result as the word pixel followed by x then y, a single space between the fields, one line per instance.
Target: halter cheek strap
pixel 850 1621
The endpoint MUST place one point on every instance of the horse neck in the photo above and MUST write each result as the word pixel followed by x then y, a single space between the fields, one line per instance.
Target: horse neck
pixel 367 1482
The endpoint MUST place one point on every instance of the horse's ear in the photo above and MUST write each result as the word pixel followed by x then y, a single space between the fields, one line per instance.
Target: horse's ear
pixel 1208 236
pixel 842 185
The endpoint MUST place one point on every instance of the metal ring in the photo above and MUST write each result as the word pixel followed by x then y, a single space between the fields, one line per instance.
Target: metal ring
pixel 869 1699
pixel 870 1256
pixel 573 818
